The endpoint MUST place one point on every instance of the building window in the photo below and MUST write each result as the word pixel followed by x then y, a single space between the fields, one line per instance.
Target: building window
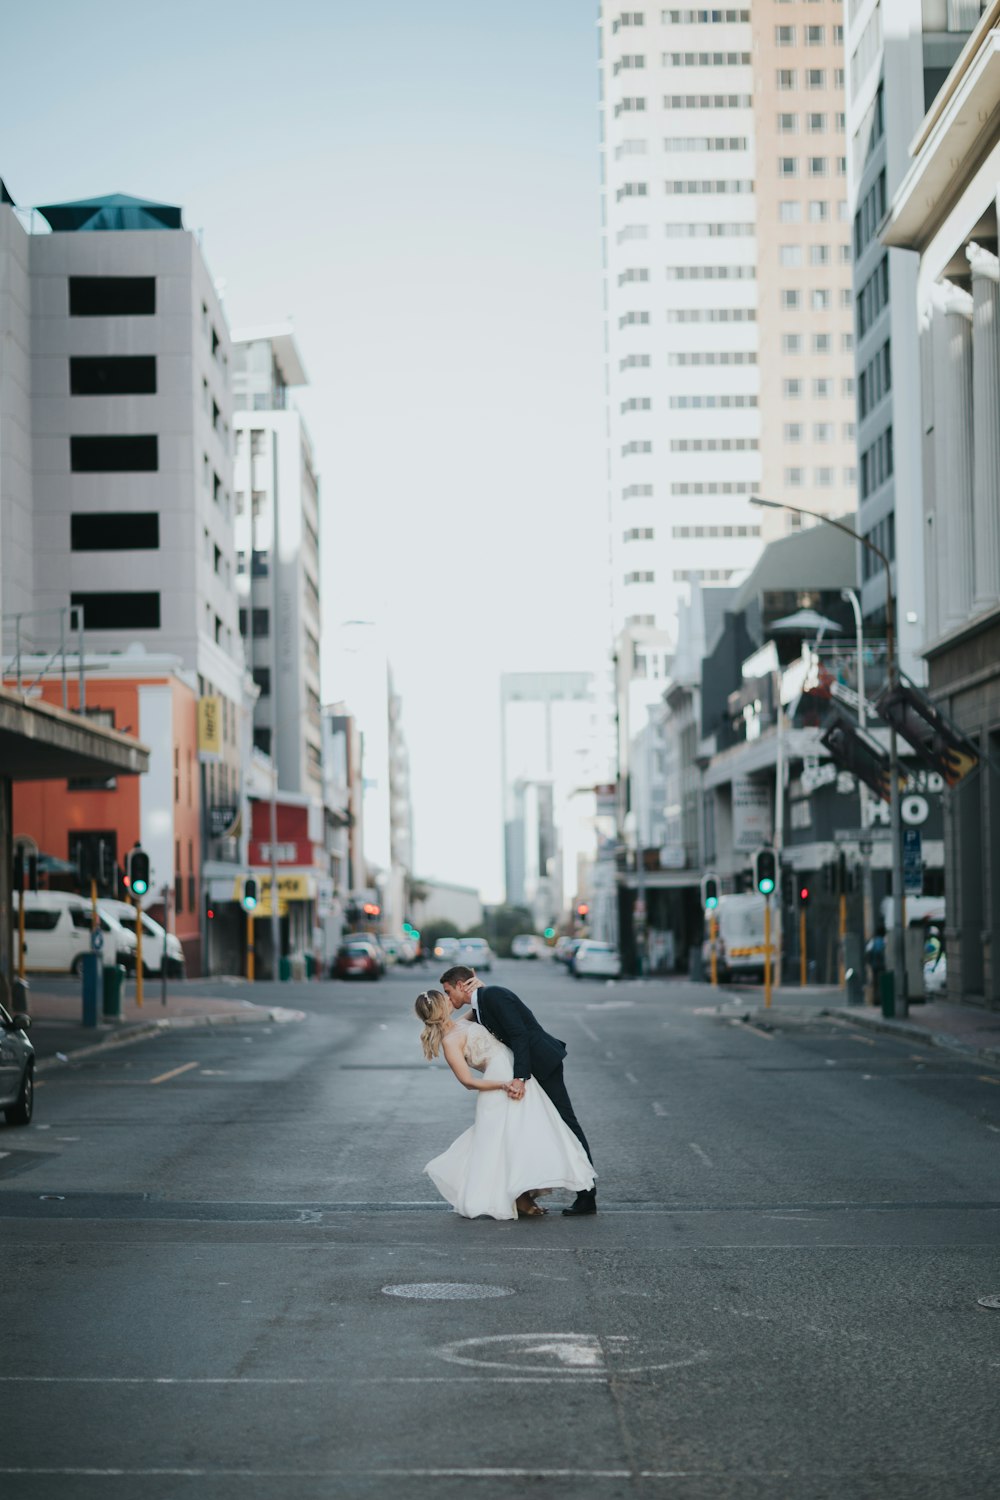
pixel 823 477
pixel 815 124
pixel 821 343
pixel 791 389
pixel 634 362
pixel 788 124
pixel 793 432
pixel 819 255
pixel 822 389
pixel 114 531
pixel 639 534
pixel 786 80
pixel 112 296
pixel 818 166
pixel 262 677
pixel 819 299
pixel 112 375
pixel 822 432
pixel 815 78
pixel 790 256
pixel 628 61
pixel 260 621
pixel 815 36
pixel 632 190
pixel 819 211
pixel 784 36
pixel 789 211
pixel 791 343
pixel 636 403
pixel 633 274
pixel 629 450
pixel 640 577
pixel 119 611
pixel 790 299
pixel 629 106
pixel 114 455
pixel 793 478
pixel 788 166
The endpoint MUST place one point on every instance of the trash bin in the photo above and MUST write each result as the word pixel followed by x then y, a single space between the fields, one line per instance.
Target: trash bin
pixel 887 993
pixel 310 966
pixel 114 992
pixel 284 968
pixel 90 969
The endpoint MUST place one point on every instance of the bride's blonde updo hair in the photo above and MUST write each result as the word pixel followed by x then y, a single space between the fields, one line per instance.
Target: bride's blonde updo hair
pixel 434 1009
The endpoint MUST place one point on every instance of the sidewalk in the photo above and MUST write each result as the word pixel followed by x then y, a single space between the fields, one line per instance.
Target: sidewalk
pixel 57 1030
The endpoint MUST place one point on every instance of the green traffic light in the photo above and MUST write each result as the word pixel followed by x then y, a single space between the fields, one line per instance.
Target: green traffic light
pixel 765 885
pixel 550 932
pixel 712 902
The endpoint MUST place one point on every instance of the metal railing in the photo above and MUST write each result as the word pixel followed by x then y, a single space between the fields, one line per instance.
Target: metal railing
pixel 28 652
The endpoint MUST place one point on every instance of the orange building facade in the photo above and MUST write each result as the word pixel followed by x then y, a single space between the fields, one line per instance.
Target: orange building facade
pixel 161 810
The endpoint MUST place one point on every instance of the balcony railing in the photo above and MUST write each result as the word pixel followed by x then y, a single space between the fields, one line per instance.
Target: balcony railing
pixel 37 644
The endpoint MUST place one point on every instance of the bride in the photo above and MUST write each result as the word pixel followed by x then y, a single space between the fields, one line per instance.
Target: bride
pixel 515 1148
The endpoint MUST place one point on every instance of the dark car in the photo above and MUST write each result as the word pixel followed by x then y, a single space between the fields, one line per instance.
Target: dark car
pixel 17 1069
pixel 358 959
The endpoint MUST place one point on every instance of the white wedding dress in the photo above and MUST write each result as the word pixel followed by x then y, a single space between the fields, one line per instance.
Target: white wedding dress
pixel 512 1145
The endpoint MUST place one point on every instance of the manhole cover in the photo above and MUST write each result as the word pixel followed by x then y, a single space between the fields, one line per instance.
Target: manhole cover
pixel 447 1291
pixel 991 1302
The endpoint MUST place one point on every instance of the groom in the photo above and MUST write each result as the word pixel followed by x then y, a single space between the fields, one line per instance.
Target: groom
pixel 536 1053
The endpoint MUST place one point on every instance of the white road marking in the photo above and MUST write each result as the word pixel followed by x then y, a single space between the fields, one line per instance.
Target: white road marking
pixel 659 1109
pixel 4 1153
pixel 587 1030
pixel 985 1078
pixel 748 1026
pixel 631 1078
pixel 863 1041
pixel 700 1153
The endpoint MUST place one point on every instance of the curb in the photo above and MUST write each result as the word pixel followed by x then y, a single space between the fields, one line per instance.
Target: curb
pixel 912 1033
pixel 276 1014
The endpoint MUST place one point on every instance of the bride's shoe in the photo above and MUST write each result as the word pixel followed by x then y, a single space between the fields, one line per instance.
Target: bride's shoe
pixel 527 1208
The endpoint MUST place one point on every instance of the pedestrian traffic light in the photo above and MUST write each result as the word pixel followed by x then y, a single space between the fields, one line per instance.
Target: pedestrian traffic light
pixel 803 895
pixel 938 743
pixel 765 871
pixel 249 893
pixel 854 751
pixel 710 892
pixel 550 933
pixel 137 871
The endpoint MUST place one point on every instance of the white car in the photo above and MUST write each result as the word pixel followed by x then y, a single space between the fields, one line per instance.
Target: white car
pixel 476 953
pixel 527 945
pixel 153 936
pixel 447 949
pixel 57 933
pixel 596 960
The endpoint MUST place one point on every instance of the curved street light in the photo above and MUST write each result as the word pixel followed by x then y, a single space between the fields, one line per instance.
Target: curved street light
pixel 895 812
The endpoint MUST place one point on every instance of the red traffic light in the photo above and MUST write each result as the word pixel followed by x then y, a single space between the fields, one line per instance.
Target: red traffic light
pixel 582 909
pixel 804 895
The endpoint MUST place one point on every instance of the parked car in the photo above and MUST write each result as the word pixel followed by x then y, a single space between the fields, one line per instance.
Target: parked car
pixel 446 948
pixel 596 960
pixel 153 938
pixel 564 949
pixel 57 933
pixel 17 1069
pixel 527 945
pixel 358 958
pixel 390 949
pixel 476 953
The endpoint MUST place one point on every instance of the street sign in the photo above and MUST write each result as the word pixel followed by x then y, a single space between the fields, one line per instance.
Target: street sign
pixel 913 863
pixel 97 941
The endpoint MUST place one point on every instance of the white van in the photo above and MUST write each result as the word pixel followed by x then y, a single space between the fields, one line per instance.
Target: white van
pixel 154 937
pixel 740 950
pixel 57 929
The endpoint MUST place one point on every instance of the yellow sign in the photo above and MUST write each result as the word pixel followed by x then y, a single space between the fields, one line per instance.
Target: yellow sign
pixel 290 888
pixel 209 728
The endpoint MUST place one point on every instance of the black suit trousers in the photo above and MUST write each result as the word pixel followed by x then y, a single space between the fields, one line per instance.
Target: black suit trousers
pixel 555 1086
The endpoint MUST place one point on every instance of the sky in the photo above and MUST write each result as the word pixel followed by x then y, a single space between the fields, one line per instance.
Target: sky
pixel 415 185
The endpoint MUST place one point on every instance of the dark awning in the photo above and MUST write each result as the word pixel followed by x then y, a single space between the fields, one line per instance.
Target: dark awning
pixel 116 211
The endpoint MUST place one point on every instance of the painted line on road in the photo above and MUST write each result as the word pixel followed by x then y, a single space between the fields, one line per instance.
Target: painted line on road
pixel 184 1068
pixel 660 1109
pixel 587 1031
pixel 749 1026
pixel 631 1078
pixel 864 1041
pixel 985 1078
pixel 703 1155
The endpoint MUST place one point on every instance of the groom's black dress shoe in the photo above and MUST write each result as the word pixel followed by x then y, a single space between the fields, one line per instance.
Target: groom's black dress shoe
pixel 585 1203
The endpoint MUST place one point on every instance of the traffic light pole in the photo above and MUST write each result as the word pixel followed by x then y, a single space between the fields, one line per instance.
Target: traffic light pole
pixel 895 808
pixel 767 952
pixel 138 950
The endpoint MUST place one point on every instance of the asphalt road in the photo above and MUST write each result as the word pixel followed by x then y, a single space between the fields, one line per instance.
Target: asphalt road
pixel 777 1299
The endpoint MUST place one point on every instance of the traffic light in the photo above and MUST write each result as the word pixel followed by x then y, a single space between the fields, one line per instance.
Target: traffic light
pixel 938 743
pixel 137 871
pixel 249 893
pixel 710 892
pixel 550 933
pixel 25 868
pixel 803 894
pixel 857 752
pixel 765 871
pixel 582 909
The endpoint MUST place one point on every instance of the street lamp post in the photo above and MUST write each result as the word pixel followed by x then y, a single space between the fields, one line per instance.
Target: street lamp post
pixel 895 815
pixel 865 843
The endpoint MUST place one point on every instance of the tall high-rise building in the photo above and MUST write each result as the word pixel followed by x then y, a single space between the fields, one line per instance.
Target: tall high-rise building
pixel 898 54
pixel 277 555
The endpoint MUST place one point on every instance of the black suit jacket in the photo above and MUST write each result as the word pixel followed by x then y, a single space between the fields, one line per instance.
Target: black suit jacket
pixel 507 1017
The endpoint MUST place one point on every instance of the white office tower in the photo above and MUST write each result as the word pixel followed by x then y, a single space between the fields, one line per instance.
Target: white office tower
pixel 680 304
pixel 363 682
pixel 554 746
pixel 899 53
pixel 277 554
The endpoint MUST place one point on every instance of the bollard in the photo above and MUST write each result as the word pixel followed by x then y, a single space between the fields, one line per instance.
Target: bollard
pixel 92 987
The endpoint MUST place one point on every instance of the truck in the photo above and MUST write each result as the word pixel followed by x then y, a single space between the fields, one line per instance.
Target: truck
pixel 740 942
